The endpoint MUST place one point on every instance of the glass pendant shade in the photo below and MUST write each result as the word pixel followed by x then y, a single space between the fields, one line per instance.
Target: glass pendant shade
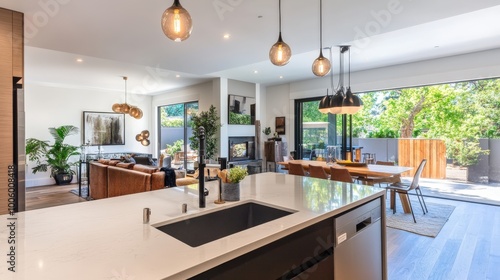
pixel 321 66
pixel 176 22
pixel 145 133
pixel 135 112
pixel 139 137
pixel 280 53
pixel 117 108
pixel 324 104
pixel 125 108
pixel 145 142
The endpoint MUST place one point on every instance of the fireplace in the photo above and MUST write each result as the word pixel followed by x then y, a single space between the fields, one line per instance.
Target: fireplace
pixel 241 148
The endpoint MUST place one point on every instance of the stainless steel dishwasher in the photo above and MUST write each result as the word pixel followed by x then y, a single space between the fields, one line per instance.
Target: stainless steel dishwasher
pixel 358 252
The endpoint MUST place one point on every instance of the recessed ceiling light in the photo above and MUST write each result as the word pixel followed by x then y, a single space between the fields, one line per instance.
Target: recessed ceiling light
pixel 255 71
pixel 226 36
pixel 436 46
pixel 177 76
pixel 281 77
pixel 79 60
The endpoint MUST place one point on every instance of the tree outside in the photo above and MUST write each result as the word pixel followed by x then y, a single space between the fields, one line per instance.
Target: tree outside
pixel 458 113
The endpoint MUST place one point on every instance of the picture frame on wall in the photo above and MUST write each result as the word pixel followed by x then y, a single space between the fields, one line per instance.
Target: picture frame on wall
pixel 280 125
pixel 103 128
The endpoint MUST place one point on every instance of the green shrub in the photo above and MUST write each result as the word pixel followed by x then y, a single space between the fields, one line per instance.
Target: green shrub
pixel 236 174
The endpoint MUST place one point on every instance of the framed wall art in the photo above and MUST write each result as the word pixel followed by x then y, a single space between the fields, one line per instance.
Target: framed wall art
pixel 101 128
pixel 280 125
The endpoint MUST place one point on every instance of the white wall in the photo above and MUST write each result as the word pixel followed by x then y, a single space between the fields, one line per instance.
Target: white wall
pixel 49 106
pixel 479 65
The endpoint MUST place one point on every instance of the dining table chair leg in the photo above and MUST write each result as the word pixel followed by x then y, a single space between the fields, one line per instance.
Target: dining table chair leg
pixel 412 214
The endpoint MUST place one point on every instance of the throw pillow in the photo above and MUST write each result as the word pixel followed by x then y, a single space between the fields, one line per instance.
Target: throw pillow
pixel 127 159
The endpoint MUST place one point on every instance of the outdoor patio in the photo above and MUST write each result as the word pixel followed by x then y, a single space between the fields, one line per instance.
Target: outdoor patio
pixel 456 187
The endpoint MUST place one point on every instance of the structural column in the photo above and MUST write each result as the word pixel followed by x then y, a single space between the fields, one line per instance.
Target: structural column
pixel 11 76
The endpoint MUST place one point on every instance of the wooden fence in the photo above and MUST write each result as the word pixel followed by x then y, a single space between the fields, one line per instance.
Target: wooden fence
pixel 412 151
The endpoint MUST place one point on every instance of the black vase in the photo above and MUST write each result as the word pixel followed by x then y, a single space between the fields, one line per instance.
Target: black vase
pixel 63 178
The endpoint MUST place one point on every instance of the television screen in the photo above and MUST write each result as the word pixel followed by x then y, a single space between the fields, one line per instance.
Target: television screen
pixel 239 150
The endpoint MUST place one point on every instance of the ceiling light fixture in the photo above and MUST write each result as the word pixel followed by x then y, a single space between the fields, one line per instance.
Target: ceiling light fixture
pixel 321 65
pixel 125 108
pixel 280 52
pixel 176 22
pixel 352 103
pixel 342 102
pixel 143 137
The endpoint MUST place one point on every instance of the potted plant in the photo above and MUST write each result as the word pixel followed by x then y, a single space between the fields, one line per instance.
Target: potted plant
pixel 56 156
pixel 231 182
pixel 210 121
pixel 267 131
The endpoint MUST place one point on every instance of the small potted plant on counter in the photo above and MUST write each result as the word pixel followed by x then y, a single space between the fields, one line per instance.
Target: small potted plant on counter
pixel 231 182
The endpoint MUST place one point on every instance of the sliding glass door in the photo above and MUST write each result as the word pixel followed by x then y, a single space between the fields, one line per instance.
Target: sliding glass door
pixel 313 130
pixel 175 131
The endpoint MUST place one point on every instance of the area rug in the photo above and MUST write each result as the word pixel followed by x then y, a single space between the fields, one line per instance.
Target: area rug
pixel 429 224
pixel 85 191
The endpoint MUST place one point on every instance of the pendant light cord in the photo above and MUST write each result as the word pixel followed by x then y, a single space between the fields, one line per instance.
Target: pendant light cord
pixel 279 8
pixel 321 26
pixel 125 79
pixel 349 77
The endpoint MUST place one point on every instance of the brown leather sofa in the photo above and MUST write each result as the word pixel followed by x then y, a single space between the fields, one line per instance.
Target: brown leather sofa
pixel 110 178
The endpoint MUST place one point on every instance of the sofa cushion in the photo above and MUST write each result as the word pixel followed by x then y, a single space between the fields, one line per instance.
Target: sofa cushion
pixel 122 182
pixel 125 165
pixel 143 160
pixel 113 162
pixel 145 168
pixel 104 161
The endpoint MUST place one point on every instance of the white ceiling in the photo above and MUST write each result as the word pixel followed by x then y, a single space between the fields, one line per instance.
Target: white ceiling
pixel 123 38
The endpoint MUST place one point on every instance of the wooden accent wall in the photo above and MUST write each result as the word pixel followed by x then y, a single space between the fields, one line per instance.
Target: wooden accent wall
pixel 412 151
pixel 11 64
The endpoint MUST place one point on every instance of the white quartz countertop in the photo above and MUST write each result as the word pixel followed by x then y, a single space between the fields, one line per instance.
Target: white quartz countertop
pixel 106 239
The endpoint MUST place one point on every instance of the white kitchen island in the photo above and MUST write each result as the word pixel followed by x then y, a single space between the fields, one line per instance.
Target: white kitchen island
pixel 106 239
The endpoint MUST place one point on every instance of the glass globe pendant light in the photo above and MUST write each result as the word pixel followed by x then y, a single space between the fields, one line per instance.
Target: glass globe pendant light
pixel 280 52
pixel 126 108
pixel 176 22
pixel 321 66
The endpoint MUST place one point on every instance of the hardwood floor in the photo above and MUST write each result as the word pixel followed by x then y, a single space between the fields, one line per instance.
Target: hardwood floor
pixel 48 196
pixel 468 246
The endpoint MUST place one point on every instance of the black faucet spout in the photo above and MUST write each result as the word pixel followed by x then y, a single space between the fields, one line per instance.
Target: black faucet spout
pixel 201 166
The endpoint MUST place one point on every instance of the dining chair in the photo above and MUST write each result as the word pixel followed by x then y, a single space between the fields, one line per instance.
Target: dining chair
pixel 317 171
pixel 340 174
pixel 296 169
pixel 404 188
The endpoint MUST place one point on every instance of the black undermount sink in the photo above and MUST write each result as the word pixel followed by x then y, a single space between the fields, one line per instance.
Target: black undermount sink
pixel 202 229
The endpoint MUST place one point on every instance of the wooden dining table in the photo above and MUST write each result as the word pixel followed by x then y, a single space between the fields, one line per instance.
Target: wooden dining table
pixel 384 173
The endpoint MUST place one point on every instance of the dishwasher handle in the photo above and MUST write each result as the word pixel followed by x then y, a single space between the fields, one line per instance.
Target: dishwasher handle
pixel 361 225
